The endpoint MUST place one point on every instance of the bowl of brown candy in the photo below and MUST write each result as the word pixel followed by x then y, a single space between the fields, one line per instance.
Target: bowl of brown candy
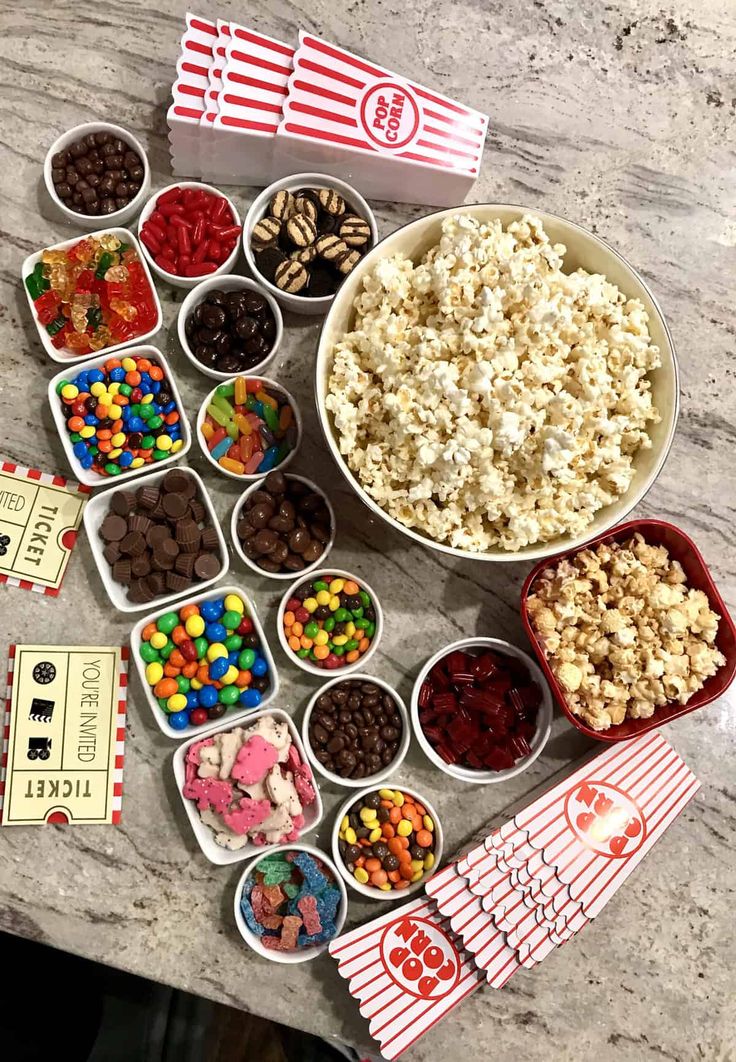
pixel 283 525
pixel 481 710
pixel 97 170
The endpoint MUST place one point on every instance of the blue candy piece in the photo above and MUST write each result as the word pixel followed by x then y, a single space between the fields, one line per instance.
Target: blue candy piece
pixel 193 699
pixel 137 424
pixel 314 879
pixel 91 419
pixel 215 632
pixel 250 698
pixel 207 696
pixel 212 610
pixel 125 459
pixel 80 450
pixel 259 666
pixel 222 448
pixel 117 375
pixel 327 933
pixel 169 407
pixel 328 902
pixel 87 461
pixel 248 914
pixel 218 668
pixel 269 459
pixel 179 720
pixel 95 376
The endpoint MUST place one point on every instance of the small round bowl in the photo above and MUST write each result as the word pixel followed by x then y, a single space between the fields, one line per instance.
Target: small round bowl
pixel 171 278
pixel 288 958
pixel 119 217
pixel 370 890
pixel 251 477
pixel 251 563
pixel 305 665
pixel 259 209
pixel 379 777
pixel 544 715
pixel 230 282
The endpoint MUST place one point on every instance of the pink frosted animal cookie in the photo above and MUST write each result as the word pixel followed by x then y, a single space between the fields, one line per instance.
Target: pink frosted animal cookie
pixel 248 814
pixel 303 784
pixel 193 752
pixel 293 759
pixel 254 760
pixel 209 793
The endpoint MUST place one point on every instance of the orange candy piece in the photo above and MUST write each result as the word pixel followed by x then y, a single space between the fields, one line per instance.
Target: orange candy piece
pixel 423 838
pixel 165 687
pixel 187 611
pixel 148 631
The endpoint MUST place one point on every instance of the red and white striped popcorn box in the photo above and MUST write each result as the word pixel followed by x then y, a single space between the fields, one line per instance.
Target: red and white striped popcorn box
pixel 209 136
pixel 251 99
pixel 407 972
pixel 188 92
pixel 393 139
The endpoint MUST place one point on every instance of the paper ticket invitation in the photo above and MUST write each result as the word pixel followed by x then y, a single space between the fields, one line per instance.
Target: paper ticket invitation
pixel 407 972
pixel 39 518
pixel 63 736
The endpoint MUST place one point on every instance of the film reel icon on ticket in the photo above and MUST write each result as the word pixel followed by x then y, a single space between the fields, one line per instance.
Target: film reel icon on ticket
pixel 605 819
pixel 420 958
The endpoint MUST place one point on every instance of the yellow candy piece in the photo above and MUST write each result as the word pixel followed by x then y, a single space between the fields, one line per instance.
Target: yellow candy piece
pixel 386 887
pixel 98 388
pixel 429 861
pixel 336 586
pixel 349 629
pixel 196 684
pixel 323 597
pixel 114 453
pixel 339 639
pixel 344 823
pixel 115 412
pixel 428 823
pixel 194 626
pixel 417 864
pixel 403 828
pixel 386 794
pixel 146 399
pixel 321 638
pixel 215 651
pixel 124 309
pixel 361 874
pixel 108 241
pixel 230 675
pixel 118 439
pixel 163 442
pixel 367 814
pixel 176 702
pixel 177 446
pixel 350 835
pixel 375 835
pixel 310 604
pixel 333 604
pixel 87 431
pixel 116 274
pixel 398 798
pixel 69 391
pixel 154 673
pixel 113 388
pixel 137 462
pixel 233 603
pixel 416 877
pixel 158 640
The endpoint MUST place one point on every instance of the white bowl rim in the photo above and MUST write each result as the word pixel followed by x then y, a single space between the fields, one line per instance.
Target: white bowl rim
pixel 320 672
pixel 250 477
pixel 130 209
pixel 544 715
pixel 190 303
pixel 172 278
pixel 396 762
pixel 28 266
pixel 549 549
pixel 102 497
pixel 203 834
pixel 319 180
pixel 85 475
pixel 281 576
pixel 236 714
pixel 302 954
pixel 370 890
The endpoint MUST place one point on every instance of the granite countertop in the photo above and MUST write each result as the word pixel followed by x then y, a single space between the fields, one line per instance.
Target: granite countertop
pixel 619 116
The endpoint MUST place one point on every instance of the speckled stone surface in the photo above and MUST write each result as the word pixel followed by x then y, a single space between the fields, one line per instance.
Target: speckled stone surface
pixel 619 116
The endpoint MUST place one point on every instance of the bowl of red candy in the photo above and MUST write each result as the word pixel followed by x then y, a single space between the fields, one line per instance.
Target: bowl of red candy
pixel 481 710
pixel 189 231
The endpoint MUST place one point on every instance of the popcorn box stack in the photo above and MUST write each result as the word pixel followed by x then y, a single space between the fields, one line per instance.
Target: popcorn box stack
pixel 526 888
pixel 248 107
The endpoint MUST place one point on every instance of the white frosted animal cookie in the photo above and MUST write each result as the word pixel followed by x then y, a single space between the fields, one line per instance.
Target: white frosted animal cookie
pixel 281 790
pixel 276 825
pixel 223 836
pixel 255 790
pixel 273 731
pixel 209 765
pixel 230 743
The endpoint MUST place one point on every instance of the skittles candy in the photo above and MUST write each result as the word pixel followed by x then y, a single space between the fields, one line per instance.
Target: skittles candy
pixel 329 622
pixel 203 659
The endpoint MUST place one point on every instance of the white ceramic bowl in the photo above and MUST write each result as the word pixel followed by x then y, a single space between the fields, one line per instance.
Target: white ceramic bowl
pixel 119 217
pixel 125 236
pixel 544 715
pixel 251 563
pixel 370 890
pixel 252 476
pixel 204 835
pixel 305 665
pixel 259 209
pixel 583 250
pixel 234 713
pixel 95 512
pixel 233 282
pixel 87 475
pixel 288 958
pixel 172 278
pixel 372 779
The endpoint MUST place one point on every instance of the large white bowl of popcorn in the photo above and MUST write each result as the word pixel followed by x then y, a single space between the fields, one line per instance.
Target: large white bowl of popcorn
pixel 494 396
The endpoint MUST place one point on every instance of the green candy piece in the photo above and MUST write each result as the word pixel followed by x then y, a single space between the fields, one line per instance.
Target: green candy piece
pixel 61 385
pixel 311 630
pixel 125 389
pixel 370 630
pixel 219 415
pixel 271 417
pixel 320 585
pixel 162 703
pixel 231 620
pixel 147 442
pixel 350 645
pixel 159 455
pixel 201 645
pixel 75 437
pixel 361 623
pixel 329 624
pixel 148 653
pixel 146 411
pixel 226 390
pixel 167 622
pixel 232 430
pixel 365 598
pixel 303 653
pixel 112 469
pixel 290 889
pixel 276 872
pixel 56 325
pixel 341 615
pixel 154 423
pixel 94 317
pixel 94 450
pixel 233 643
pixel 123 248
pixel 338 650
pixel 246 660
pixel 183 683
pixel 167 650
pixel 220 402
pixel 228 694
pixel 106 260
pixel 357 613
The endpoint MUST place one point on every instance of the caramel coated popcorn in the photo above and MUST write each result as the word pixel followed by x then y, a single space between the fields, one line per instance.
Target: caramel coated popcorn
pixel 487 398
pixel 622 631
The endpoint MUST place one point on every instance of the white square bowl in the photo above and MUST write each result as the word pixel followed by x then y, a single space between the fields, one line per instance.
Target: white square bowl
pixel 205 837
pixel 86 475
pixel 125 236
pixel 95 512
pixel 233 715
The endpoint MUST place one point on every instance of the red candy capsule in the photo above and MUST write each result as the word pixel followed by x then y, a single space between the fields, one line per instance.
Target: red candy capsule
pixel 191 232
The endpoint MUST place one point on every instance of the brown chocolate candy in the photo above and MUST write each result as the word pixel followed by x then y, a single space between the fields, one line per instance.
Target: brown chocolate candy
pixel 284 526
pixel 355 728
pixel 97 174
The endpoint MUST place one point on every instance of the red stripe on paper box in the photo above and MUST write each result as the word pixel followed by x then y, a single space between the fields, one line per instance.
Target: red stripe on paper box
pixel 426 158
pixel 203 27
pixel 120 734
pixel 119 760
pixel 245 123
pixel 265 64
pixel 257 105
pixel 195 46
pixel 451 135
pixel 326 94
pixel 254 82
pixel 264 42
pixel 320 134
pixel 333 75
pixel 192 68
pixel 190 90
pixel 58 481
pixel 319 112
pixel 188 112
pixel 427 95
pixel 433 146
pixel 344 57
